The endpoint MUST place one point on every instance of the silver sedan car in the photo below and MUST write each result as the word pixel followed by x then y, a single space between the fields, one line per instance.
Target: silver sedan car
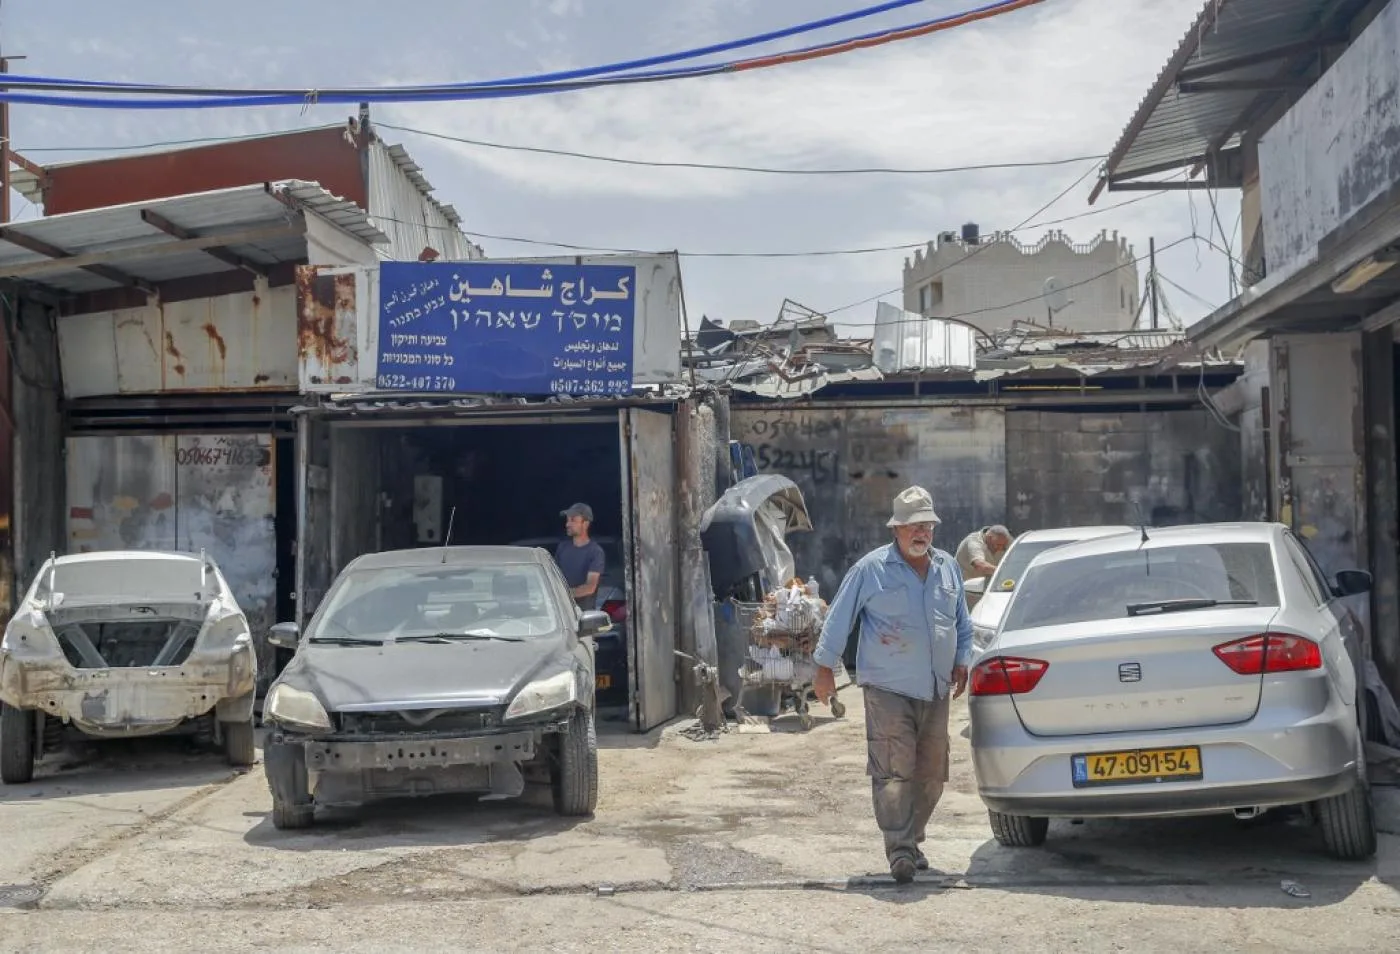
pixel 1190 670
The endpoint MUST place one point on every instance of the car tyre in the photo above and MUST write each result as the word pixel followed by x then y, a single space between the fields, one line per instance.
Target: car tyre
pixel 289 817
pixel 575 774
pixel 1019 831
pixel 1347 820
pixel 239 747
pixel 16 745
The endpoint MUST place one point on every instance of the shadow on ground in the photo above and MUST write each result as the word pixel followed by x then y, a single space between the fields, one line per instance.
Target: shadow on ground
pixel 116 767
pixel 1182 862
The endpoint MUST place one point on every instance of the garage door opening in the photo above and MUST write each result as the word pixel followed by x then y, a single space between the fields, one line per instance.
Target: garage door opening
pixel 402 486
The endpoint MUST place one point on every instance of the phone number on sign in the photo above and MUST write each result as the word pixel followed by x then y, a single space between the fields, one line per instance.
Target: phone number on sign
pixel 590 386
pixel 425 382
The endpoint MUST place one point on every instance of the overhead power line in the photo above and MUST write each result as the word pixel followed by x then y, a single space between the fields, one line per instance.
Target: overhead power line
pixel 148 96
pixel 816 253
pixel 596 157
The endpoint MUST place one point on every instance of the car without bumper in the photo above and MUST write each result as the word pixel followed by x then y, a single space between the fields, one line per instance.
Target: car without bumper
pixel 429 672
pixel 1204 670
pixel 119 645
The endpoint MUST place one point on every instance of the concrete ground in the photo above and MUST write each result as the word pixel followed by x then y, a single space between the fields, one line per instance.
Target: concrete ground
pixel 748 842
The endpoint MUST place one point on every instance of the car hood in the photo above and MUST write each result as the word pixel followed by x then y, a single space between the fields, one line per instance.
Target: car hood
pixel 422 675
pixel 990 609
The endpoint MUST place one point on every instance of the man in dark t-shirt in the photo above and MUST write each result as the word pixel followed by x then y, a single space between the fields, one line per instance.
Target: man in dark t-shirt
pixel 579 558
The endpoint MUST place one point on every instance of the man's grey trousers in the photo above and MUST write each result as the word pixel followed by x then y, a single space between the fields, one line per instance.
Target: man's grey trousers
pixel 907 741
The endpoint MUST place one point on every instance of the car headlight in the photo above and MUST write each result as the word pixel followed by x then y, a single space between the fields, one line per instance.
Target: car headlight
pixel 982 635
pixel 297 709
pixel 28 636
pixel 543 695
pixel 225 632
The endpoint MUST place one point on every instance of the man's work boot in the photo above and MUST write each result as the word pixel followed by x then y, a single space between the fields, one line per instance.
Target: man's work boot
pixel 902 869
pixel 920 862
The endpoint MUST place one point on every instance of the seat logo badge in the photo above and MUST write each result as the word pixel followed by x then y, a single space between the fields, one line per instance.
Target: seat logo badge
pixel 1130 672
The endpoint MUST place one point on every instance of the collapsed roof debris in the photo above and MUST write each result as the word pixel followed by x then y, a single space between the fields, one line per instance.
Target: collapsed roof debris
pixel 801 352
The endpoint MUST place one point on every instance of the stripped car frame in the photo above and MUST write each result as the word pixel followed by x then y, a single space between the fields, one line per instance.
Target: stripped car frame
pixel 123 644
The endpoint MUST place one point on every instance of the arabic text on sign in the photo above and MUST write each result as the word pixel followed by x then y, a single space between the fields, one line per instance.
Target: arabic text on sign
pixel 507 327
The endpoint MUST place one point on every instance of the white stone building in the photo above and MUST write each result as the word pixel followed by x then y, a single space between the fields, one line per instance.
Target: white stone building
pixel 992 281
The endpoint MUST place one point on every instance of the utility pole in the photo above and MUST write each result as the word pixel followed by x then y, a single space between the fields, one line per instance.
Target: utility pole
pixel 4 151
pixel 1152 277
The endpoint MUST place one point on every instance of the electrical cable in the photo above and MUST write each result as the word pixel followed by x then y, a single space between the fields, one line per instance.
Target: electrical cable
pixel 724 167
pixel 1186 291
pixel 47 82
pixel 581 247
pixel 213 98
pixel 619 160
pixel 1020 225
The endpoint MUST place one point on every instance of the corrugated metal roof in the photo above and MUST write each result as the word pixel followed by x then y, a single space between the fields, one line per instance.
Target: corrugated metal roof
pixel 121 229
pixel 1171 128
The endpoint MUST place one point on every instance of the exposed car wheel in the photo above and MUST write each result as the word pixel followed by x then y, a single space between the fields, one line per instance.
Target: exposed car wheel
pixel 288 817
pixel 575 774
pixel 239 749
pixel 16 745
pixel 1348 824
pixel 1019 831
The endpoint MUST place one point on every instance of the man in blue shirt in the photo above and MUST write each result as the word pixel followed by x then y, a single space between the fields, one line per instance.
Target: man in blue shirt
pixel 911 661
pixel 580 559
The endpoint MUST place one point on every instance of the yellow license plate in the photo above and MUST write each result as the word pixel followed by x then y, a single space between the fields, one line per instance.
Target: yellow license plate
pixel 1140 765
pixel 604 682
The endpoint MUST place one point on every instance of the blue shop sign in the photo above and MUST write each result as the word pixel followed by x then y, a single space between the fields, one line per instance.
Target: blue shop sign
pixel 506 327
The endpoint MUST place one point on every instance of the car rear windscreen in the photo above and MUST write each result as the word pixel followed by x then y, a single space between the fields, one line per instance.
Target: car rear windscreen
pixel 1103 586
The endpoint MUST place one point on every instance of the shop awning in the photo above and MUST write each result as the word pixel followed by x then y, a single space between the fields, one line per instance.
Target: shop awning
pixel 1234 62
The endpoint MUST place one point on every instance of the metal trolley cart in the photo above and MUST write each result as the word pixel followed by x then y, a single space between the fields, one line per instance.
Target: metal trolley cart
pixel 782 637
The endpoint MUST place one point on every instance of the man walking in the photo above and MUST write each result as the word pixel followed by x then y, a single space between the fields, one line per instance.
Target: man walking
pixel 579 558
pixel 915 641
pixel 981 551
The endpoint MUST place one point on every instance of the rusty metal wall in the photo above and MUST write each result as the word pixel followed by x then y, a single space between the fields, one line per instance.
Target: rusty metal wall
pixel 314 573
pixel 38 525
pixel 241 342
pixel 8 584
pixel 328 156
pixel 1068 468
pixel 356 481
pixel 1319 423
pixel 850 462
pixel 334 318
pixel 649 461
pixel 210 492
pixel 1383 501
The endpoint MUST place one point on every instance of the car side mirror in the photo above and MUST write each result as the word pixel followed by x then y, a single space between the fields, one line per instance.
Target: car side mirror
pixel 1352 583
pixel 975 587
pixel 285 635
pixel 593 622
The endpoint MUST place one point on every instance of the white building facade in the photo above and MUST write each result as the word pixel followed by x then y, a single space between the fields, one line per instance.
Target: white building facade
pixel 993 281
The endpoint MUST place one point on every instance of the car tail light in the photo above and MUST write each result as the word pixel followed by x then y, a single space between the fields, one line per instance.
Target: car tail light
pixel 617 610
pixel 1006 676
pixel 1270 652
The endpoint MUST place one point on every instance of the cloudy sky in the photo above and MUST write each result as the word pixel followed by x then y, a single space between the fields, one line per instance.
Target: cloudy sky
pixel 1058 80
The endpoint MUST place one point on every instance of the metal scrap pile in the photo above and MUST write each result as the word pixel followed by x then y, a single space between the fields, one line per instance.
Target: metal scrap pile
pixel 785 632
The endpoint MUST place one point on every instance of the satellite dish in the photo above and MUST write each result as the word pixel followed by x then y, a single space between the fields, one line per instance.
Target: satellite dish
pixel 1055 296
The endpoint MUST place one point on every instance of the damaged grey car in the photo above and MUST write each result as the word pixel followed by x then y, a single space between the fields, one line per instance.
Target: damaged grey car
pixel 121 644
pixel 455 669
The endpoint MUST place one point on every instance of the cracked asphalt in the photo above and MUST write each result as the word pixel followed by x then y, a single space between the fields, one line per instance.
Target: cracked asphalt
pixel 747 841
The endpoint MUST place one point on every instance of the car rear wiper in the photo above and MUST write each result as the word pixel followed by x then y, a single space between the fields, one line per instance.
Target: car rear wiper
pixel 345 641
pixel 1177 606
pixel 451 637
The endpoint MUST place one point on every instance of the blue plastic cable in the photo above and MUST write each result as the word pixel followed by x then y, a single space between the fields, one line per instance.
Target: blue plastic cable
pixel 30 81
pixel 495 89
